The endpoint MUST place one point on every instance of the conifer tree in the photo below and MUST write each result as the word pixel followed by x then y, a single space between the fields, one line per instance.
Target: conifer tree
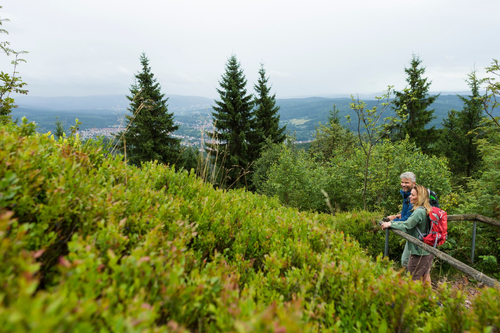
pixel 460 130
pixel 149 129
pixel 332 139
pixel 232 116
pixel 412 106
pixel 59 128
pixel 267 119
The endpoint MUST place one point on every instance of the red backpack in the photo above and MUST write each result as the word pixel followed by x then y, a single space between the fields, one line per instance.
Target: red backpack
pixel 438 229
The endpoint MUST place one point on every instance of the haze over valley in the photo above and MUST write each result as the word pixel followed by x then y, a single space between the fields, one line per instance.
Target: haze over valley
pixel 193 113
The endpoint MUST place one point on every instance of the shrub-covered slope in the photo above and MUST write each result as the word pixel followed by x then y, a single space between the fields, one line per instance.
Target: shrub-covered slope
pixel 90 244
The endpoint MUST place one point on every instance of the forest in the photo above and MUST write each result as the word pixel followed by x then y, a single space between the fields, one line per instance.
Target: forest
pixel 251 232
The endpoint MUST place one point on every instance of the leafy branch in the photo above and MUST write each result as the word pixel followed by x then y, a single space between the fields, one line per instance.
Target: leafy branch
pixel 492 91
pixel 372 128
pixel 10 83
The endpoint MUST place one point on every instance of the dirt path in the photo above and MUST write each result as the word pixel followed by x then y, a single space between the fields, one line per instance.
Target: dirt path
pixel 472 290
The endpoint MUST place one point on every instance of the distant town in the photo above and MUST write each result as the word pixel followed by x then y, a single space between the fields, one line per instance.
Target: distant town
pixel 186 140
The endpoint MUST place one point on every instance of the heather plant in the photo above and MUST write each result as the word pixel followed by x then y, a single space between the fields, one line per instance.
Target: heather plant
pixel 89 243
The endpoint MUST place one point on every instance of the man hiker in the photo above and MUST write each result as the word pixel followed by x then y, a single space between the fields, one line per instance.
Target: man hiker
pixel 408 180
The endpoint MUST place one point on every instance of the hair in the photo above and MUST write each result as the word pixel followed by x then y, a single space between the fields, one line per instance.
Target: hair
pixel 409 175
pixel 422 198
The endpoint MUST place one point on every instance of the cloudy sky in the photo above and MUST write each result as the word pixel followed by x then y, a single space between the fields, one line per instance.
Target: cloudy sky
pixel 308 48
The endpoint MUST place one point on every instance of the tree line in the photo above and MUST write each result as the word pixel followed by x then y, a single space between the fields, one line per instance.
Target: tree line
pixel 242 124
pixel 246 124
pixel 343 170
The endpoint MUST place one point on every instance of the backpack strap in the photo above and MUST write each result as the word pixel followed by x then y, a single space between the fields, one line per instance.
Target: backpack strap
pixel 421 236
pixel 431 195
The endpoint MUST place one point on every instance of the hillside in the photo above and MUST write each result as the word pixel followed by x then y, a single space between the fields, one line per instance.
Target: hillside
pixel 300 115
pixel 91 244
pixel 303 115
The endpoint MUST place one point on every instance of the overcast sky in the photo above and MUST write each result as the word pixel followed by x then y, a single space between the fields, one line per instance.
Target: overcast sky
pixel 308 48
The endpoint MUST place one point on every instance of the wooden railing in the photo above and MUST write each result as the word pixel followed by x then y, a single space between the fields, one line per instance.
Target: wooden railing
pixel 443 256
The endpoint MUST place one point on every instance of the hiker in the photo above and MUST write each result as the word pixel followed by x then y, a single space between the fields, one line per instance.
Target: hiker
pixel 408 180
pixel 420 261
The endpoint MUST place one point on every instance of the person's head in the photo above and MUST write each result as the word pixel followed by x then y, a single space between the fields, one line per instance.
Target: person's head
pixel 419 197
pixel 408 181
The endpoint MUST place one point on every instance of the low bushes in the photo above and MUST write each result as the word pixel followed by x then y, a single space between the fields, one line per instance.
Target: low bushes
pixel 297 180
pixel 90 244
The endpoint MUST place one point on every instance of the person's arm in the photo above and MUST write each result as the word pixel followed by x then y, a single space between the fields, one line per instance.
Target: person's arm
pixel 394 217
pixel 405 214
pixel 411 222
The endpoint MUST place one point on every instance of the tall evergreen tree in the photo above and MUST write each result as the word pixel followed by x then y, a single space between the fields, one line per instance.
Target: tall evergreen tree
pixel 267 119
pixel 149 129
pixel 412 105
pixel 232 116
pixel 460 130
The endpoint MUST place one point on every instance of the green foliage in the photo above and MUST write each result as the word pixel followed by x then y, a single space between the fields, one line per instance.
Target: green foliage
pixel 412 105
pixel 59 133
pixel 10 83
pixel 189 158
pixel 268 157
pixel 149 128
pixel 332 139
pixel 389 160
pixel 371 128
pixel 491 103
pixel 27 128
pixel 266 115
pixel 294 178
pixel 89 243
pixel 458 137
pixel 232 116
pixel 485 189
pixel 363 226
pixel 298 180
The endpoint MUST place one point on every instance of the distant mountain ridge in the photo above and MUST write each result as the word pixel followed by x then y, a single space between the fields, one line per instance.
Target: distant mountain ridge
pixel 105 102
pixel 175 103
pixel 300 115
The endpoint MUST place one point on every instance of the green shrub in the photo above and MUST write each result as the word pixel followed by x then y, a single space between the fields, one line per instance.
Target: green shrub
pixel 389 160
pixel 294 179
pixel 297 180
pixel 91 244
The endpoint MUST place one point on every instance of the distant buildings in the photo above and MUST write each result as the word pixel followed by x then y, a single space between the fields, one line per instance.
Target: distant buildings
pixel 107 132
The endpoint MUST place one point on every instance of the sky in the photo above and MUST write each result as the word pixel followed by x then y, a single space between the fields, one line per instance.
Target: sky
pixel 308 48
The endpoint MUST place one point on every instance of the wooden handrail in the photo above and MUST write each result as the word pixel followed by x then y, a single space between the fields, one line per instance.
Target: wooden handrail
pixel 474 217
pixel 450 260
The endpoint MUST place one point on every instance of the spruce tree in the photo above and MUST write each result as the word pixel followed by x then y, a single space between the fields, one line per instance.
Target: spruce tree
pixel 267 119
pixel 59 129
pixel 150 126
pixel 460 130
pixel 232 116
pixel 332 139
pixel 412 105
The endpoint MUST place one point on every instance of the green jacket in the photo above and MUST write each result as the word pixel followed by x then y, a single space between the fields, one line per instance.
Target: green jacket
pixel 418 219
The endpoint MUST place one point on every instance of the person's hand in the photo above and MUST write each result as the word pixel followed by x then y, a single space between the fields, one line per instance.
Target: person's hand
pixel 392 217
pixel 385 225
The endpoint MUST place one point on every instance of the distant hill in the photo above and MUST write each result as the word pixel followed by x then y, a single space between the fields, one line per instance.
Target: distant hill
pixel 176 103
pixel 301 115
